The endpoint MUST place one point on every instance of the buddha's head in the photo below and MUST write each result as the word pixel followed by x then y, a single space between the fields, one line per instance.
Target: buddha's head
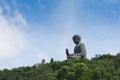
pixel 76 39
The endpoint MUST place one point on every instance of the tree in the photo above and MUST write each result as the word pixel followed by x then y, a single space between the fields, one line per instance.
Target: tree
pixel 52 60
pixel 43 61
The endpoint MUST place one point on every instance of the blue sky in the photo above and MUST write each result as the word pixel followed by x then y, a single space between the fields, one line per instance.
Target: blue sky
pixel 32 30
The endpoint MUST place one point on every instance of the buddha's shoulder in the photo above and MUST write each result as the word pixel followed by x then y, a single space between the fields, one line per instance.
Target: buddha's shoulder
pixel 81 44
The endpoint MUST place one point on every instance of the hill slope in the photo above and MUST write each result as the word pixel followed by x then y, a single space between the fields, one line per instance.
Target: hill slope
pixel 101 67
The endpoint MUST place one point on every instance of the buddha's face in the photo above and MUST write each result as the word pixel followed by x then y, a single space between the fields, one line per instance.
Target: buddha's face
pixel 76 40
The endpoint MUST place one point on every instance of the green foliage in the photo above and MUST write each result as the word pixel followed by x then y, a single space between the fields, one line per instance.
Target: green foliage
pixel 101 67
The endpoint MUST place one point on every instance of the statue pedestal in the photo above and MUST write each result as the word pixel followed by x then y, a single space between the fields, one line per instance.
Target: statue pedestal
pixel 74 56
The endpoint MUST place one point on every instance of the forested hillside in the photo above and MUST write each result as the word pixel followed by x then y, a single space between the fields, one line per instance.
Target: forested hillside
pixel 101 67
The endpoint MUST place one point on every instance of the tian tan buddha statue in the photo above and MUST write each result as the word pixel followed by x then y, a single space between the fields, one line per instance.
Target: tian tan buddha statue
pixel 79 49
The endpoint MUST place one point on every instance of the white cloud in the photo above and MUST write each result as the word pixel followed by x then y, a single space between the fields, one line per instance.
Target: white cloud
pixel 18 19
pixel 12 39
